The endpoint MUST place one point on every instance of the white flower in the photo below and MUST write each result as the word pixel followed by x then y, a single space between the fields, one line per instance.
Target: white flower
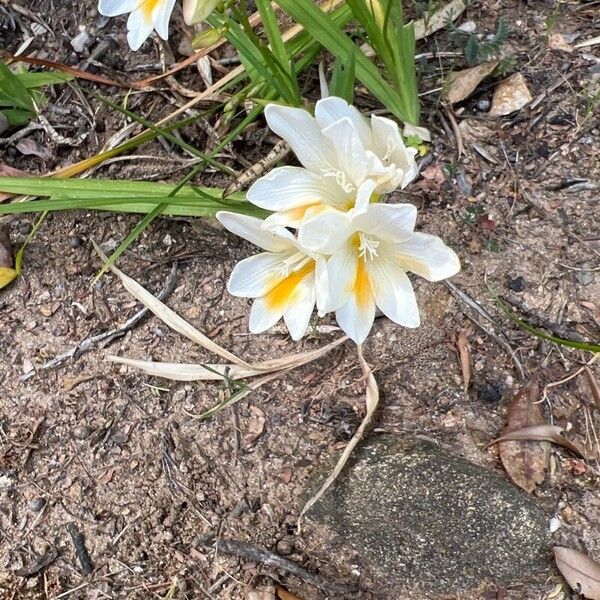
pixel 195 11
pixel 347 162
pixel 285 280
pixel 145 16
pixel 370 253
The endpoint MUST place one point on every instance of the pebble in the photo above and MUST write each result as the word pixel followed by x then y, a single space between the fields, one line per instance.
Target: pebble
pixel 36 504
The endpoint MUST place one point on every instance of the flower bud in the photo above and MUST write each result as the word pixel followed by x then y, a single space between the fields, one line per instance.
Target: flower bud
pixel 195 11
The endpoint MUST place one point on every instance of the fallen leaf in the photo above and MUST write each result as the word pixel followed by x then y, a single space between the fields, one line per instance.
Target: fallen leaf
pixel 9 171
pixel 107 476
pixel 432 178
pixel 510 95
pixel 28 147
pixel 540 433
pixel 580 571
pixel 557 42
pixel 461 84
pixel 524 460
pixel 7 273
pixel 283 594
pixel 464 353
pixel 256 425
pixel 69 383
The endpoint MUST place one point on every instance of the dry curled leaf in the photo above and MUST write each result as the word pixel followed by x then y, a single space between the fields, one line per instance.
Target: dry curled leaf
pixel 464 353
pixel 540 433
pixel 580 571
pixel 284 594
pixel 510 95
pixel 524 460
pixel 595 389
pixel 461 84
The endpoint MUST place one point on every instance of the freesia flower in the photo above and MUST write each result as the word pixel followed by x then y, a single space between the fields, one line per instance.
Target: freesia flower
pixel 195 11
pixel 145 16
pixel 348 161
pixel 282 280
pixel 370 254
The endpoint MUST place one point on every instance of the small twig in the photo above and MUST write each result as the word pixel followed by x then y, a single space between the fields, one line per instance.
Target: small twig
pixel 46 559
pixel 263 556
pixel 80 549
pixel 87 344
pixel 593 385
pixel 463 297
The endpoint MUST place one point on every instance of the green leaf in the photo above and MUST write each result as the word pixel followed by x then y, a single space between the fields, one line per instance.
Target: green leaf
pixel 12 92
pixel 343 78
pixel 43 78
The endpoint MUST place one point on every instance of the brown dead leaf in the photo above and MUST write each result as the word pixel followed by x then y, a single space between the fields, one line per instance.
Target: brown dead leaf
pixel 580 571
pixel 591 379
pixel 432 178
pixel 107 476
pixel 8 171
pixel 461 84
pixel 557 42
pixel 525 461
pixel 283 594
pixel 256 425
pixel 540 433
pixel 27 146
pixel 6 254
pixel 464 353
pixel 510 95
pixel 69 383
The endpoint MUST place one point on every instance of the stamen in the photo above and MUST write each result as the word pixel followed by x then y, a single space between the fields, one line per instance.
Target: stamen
pixel 340 179
pixel 293 263
pixel 367 248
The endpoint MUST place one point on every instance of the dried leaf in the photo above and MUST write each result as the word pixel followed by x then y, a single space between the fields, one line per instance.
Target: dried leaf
pixel 557 42
pixel 580 571
pixel 462 84
pixel 432 178
pixel 524 460
pixel 283 594
pixel 510 95
pixel 438 19
pixel 7 273
pixel 28 147
pixel 256 426
pixel 464 352
pixel 540 433
pixel 593 385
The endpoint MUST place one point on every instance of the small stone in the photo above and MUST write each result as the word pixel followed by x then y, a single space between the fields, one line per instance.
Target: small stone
pixel 285 547
pixel 516 284
pixel 483 105
pixel 585 276
pixel 491 393
pixel 431 523
pixel 75 241
pixel 36 504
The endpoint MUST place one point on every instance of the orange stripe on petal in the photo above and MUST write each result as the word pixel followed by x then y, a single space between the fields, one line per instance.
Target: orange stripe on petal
pixel 148 7
pixel 279 297
pixel 362 286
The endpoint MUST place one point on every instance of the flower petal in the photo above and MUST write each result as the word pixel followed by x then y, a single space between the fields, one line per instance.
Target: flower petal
pixel 332 109
pixel 389 143
pixel 139 28
pixel 161 15
pixel 341 274
pixel 357 315
pixel 351 155
pixel 427 256
pixel 290 187
pixel 113 8
pixel 363 196
pixel 326 232
pixel 393 292
pixel 263 316
pixel 301 131
pixel 389 222
pixel 256 275
pixel 299 310
pixel 250 228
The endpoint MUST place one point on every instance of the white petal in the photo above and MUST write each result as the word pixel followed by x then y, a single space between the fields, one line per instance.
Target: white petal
pixel 394 293
pixel 326 232
pixel 299 310
pixel 139 28
pixel 290 187
pixel 341 275
pixel 262 316
pixel 332 109
pixel 350 152
pixel 363 196
pixel 321 285
pixel 161 16
pixel 427 256
pixel 357 315
pixel 301 131
pixel 250 228
pixel 389 222
pixel 256 275
pixel 389 143
pixel 112 8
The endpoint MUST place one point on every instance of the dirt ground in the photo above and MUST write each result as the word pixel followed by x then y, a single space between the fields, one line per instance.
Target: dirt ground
pixel 115 455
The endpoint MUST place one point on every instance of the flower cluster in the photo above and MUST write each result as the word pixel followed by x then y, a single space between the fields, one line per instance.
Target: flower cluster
pixel 146 16
pixel 350 253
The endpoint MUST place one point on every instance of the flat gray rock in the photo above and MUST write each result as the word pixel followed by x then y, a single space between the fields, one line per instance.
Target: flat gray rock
pixel 425 520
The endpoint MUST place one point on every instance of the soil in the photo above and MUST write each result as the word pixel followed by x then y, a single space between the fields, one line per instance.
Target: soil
pixel 116 455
